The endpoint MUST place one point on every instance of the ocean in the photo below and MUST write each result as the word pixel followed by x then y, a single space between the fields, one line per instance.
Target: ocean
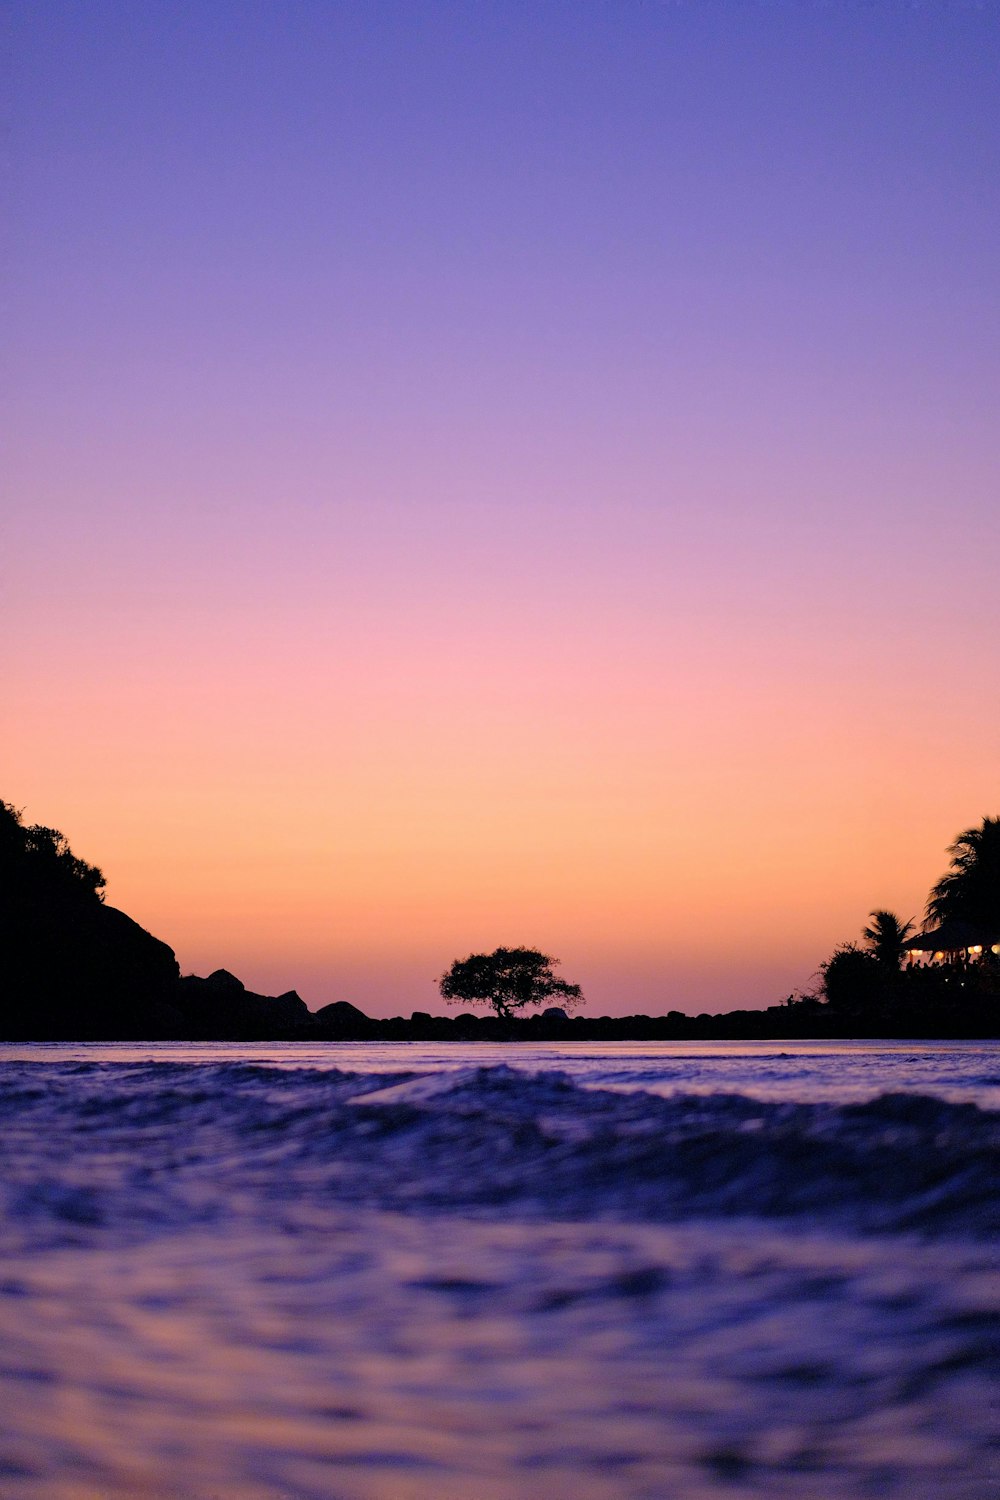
pixel 395 1271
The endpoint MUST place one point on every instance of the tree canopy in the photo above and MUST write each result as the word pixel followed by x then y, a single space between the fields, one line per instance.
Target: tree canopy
pixel 853 981
pixel 508 979
pixel 970 892
pixel 884 938
pixel 40 859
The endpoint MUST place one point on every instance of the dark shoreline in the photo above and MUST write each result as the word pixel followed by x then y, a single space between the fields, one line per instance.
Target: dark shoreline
pixel 147 1000
pixel 777 1024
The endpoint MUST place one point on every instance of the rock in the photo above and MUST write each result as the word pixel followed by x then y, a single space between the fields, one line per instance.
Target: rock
pixel 223 979
pixel 221 1008
pixel 84 971
pixel 340 1021
pixel 340 1010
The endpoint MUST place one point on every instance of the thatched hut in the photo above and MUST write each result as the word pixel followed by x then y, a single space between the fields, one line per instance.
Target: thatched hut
pixel 953 942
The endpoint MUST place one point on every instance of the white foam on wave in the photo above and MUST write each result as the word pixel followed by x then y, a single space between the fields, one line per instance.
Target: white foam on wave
pixel 428 1089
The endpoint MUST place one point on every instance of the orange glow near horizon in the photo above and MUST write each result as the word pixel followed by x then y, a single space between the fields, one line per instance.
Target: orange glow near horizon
pixel 690 831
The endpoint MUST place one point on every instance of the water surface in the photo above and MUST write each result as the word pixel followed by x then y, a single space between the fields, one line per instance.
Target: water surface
pixel 400 1271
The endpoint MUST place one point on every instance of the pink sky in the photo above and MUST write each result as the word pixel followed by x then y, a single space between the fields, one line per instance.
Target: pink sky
pixel 554 503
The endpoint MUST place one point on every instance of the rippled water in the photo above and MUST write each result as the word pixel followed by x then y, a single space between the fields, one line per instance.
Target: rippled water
pixel 398 1272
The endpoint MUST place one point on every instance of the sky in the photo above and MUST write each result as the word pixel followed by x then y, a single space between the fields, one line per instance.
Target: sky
pixel 496 473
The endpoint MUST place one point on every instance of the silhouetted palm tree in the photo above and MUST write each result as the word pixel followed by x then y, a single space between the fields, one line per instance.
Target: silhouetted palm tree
pixel 970 892
pixel 885 936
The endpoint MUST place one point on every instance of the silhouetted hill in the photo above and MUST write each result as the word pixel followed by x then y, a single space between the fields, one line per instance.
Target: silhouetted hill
pixel 69 965
pixel 72 968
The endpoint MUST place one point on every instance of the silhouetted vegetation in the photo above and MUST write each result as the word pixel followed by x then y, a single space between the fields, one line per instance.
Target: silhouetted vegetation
pixel 885 937
pixel 970 892
pixel 949 985
pixel 507 980
pixel 853 981
pixel 38 861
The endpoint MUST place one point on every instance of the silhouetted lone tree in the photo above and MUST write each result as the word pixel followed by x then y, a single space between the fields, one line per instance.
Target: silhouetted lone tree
pixel 508 979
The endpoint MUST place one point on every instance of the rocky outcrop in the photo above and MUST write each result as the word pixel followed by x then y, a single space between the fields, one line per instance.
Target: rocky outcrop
pixel 71 967
pixel 82 970
pixel 342 1021
pixel 220 1007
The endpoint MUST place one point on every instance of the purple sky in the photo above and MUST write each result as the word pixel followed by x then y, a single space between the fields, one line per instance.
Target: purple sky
pixel 468 460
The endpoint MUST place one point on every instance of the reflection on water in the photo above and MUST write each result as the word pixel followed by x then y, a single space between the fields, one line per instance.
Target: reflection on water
pixel 386 1357
pixel 221 1279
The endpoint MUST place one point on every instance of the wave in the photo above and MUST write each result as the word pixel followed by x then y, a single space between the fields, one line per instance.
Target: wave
pixel 117 1150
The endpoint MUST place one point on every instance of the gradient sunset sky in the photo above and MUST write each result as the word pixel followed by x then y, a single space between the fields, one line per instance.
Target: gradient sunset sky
pixel 504 473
